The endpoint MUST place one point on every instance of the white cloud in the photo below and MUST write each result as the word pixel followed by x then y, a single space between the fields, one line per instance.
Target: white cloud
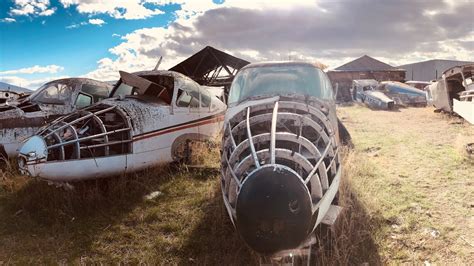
pixel 34 70
pixel 75 26
pixel 120 9
pixel 32 7
pixel 8 20
pixel 116 35
pixel 96 21
pixel 396 33
pixel 32 84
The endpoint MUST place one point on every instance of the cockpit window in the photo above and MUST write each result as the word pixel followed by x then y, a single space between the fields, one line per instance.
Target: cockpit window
pixel 98 93
pixel 145 86
pixel 122 90
pixel 280 80
pixel 53 93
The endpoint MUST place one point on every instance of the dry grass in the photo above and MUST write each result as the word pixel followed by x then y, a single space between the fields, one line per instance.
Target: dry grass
pixel 419 178
pixel 407 178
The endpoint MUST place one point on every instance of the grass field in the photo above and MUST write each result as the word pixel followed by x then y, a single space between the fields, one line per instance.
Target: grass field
pixel 407 193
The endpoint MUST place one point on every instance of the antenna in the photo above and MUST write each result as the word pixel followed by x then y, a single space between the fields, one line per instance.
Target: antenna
pixel 158 64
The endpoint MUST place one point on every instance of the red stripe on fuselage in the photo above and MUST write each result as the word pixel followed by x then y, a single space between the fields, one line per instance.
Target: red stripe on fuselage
pixel 179 127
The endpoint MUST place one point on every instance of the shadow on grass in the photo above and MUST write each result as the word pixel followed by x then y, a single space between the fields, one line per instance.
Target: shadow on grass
pixel 42 221
pixel 351 242
pixel 214 240
pixel 46 224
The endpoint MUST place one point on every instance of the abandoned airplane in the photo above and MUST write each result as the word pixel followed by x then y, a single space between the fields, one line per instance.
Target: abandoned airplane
pixel 386 94
pixel 20 118
pixel 453 92
pixel 280 160
pixel 148 120
pixel 403 94
pixel 363 90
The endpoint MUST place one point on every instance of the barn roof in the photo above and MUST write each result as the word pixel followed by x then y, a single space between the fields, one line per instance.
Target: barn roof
pixel 366 63
pixel 204 67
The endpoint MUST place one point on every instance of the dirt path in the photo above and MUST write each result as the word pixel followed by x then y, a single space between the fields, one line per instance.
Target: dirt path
pixel 420 179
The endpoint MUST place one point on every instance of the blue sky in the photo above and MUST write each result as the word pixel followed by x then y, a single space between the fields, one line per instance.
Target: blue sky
pixel 50 40
pixel 47 40
pixel 41 40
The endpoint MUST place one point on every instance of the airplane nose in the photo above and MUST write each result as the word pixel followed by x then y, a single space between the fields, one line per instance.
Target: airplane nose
pixel 34 149
pixel 277 163
pixel 273 210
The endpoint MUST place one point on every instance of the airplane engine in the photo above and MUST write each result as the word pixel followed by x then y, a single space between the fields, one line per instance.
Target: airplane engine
pixel 280 172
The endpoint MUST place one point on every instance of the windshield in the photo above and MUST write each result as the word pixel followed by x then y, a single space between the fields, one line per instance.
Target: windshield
pixel 280 80
pixel 128 88
pixel 53 93
pixel 123 90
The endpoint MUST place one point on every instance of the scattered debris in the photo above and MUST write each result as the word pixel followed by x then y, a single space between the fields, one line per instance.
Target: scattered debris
pixel 372 151
pixel 465 240
pixel 432 232
pixel 470 148
pixel 153 195
pixel 435 233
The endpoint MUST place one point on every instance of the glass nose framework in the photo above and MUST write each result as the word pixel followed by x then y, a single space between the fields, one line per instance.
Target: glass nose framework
pixel 278 161
pixel 96 131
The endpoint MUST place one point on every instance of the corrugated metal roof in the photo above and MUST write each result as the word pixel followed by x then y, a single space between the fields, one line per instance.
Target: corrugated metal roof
pixel 366 63
pixel 200 64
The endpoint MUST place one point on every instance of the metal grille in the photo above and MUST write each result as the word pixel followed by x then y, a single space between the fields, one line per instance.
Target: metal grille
pixel 96 131
pixel 285 134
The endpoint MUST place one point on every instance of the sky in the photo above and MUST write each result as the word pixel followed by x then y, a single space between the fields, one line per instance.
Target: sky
pixel 43 40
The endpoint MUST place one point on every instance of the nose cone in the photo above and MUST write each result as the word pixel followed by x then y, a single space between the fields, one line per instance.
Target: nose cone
pixel 274 210
pixel 34 149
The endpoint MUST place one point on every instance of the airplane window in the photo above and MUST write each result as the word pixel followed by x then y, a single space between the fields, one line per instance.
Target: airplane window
pixel 53 93
pixel 97 93
pixel 83 100
pixel 205 98
pixel 184 99
pixel 280 80
pixel 123 90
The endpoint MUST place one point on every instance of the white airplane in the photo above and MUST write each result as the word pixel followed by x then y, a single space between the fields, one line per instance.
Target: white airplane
pixel 149 119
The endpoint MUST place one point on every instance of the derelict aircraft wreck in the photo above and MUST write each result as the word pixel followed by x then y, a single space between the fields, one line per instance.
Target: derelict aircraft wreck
pixel 280 160
pixel 454 92
pixel 147 121
pixel 22 116
pixel 149 113
pixel 387 94
pixel 364 90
